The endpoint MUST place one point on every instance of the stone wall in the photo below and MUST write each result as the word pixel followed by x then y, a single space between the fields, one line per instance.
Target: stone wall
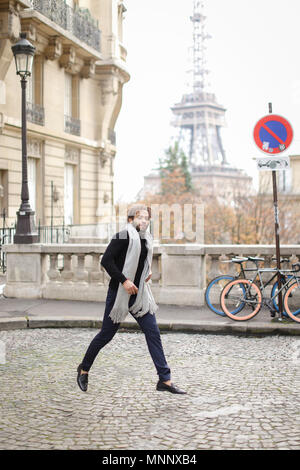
pixel 73 272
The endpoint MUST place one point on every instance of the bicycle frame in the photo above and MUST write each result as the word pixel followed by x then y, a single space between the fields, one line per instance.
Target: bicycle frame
pixel 258 273
pixel 264 285
pixel 291 279
pixel 257 299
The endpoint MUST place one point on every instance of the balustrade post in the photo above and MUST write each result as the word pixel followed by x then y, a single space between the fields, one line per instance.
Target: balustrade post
pixel 53 273
pixel 81 275
pixel 67 273
pixel 268 261
pixel 163 261
pixel 95 274
pixel 156 269
pixel 224 264
pixel 214 267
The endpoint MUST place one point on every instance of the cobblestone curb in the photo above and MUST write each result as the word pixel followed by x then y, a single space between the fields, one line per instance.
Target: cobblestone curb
pixel 274 328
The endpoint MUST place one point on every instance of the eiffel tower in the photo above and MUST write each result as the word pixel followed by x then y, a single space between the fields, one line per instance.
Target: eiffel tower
pixel 198 120
pixel 198 117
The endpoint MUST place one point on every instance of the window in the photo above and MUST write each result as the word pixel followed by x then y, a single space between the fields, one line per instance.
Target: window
pixel 285 180
pixel 69 194
pixel 30 95
pixel 68 94
pixel 72 122
pixel 31 167
pixel 3 193
pixel 34 93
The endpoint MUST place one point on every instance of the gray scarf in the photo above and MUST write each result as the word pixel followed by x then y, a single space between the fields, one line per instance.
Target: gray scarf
pixel 144 301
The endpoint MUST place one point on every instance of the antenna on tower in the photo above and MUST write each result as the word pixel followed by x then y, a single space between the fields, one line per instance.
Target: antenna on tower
pixel 200 38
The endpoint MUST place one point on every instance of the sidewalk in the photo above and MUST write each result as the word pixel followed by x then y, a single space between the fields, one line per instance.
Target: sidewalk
pixel 43 313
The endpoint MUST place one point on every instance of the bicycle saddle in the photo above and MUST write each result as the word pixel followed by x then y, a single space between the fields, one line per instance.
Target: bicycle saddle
pixel 239 260
pixel 253 258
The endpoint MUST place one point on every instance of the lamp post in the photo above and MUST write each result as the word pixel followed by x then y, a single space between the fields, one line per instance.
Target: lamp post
pixel 26 232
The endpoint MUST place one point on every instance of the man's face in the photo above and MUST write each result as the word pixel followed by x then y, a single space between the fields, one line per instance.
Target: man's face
pixel 141 220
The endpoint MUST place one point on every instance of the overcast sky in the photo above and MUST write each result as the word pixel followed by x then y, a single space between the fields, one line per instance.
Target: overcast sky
pixel 253 57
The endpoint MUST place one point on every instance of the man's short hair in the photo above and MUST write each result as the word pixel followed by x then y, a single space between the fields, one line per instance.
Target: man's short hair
pixel 133 210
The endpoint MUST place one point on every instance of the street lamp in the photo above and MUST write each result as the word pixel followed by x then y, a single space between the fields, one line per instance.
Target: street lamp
pixel 26 232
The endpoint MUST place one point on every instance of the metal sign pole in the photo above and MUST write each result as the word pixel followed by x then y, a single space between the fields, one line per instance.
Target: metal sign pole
pixel 277 234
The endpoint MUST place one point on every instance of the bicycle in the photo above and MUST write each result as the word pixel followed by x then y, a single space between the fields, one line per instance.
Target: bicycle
pixel 249 297
pixel 216 285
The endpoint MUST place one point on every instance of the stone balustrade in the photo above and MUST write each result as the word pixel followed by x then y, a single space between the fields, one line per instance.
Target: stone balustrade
pixel 73 271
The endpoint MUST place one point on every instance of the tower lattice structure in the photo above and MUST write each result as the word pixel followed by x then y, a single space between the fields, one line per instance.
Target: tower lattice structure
pixel 198 117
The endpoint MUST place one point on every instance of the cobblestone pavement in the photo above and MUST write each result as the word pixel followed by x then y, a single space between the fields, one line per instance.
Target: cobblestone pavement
pixel 243 392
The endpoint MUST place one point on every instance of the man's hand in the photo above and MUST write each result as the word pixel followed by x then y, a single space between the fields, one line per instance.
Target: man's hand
pixel 130 287
pixel 147 279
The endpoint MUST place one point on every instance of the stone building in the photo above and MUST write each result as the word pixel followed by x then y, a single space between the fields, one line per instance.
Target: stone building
pixel 225 184
pixel 74 97
pixel 288 181
pixel 288 193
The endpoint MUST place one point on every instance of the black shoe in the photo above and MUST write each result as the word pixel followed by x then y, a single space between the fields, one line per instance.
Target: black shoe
pixel 162 387
pixel 82 379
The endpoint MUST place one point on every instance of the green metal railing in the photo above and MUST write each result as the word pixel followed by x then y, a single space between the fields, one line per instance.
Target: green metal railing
pixel 54 233
pixel 6 237
pixel 47 234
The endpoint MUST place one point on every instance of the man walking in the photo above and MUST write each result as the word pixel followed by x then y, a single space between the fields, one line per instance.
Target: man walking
pixel 127 259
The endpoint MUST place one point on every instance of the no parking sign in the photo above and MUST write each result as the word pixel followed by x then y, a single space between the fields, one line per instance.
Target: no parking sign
pixel 273 134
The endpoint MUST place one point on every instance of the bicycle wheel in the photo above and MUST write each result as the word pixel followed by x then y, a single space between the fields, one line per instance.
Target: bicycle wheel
pixel 275 298
pixel 241 292
pixel 291 302
pixel 213 291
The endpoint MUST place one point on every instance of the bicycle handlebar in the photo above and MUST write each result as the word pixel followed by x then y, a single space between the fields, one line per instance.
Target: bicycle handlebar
pixel 296 265
pixel 282 260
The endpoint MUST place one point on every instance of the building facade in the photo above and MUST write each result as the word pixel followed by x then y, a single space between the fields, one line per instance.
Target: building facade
pixel 74 96
pixel 209 183
pixel 288 194
pixel 288 181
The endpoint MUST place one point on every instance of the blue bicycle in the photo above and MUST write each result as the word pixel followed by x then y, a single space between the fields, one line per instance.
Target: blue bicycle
pixel 216 285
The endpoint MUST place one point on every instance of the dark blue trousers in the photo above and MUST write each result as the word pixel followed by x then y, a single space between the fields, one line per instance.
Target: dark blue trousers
pixel 149 327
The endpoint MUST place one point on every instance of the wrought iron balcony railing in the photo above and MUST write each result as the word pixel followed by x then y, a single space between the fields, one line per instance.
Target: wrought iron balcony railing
pixel 72 125
pixel 35 113
pixel 78 21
